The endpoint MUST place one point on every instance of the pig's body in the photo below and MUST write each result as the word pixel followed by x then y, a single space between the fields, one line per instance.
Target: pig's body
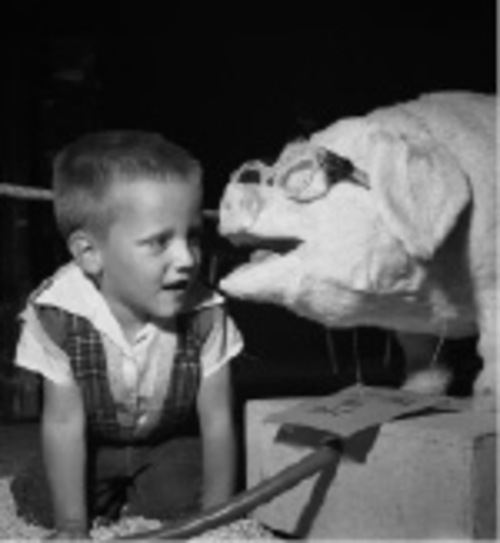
pixel 394 220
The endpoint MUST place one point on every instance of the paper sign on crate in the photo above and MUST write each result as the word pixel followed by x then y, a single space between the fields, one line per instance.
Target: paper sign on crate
pixel 357 408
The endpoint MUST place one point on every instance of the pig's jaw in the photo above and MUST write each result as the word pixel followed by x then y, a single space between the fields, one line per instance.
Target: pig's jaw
pixel 272 278
pixel 285 282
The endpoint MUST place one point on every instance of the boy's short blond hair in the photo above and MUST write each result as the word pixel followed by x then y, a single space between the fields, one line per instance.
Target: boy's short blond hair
pixel 84 171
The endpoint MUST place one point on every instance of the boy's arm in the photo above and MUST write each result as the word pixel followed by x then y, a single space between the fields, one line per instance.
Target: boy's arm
pixel 215 408
pixel 64 448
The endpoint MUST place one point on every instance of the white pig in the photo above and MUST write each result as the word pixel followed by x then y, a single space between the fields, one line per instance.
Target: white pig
pixel 387 220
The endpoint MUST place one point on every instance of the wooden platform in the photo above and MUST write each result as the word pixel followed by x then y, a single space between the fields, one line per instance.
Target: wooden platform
pixel 426 477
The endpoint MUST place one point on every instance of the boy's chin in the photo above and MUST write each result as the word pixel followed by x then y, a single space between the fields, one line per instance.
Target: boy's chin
pixel 171 307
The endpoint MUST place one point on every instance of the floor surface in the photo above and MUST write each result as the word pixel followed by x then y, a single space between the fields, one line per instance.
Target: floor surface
pixel 18 443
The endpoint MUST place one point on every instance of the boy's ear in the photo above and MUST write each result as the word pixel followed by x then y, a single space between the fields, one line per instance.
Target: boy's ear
pixel 85 250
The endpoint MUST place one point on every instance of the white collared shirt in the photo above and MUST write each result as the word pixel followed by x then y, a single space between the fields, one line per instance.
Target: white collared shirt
pixel 138 371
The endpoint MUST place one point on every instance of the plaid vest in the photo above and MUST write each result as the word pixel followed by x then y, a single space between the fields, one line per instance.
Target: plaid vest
pixel 77 337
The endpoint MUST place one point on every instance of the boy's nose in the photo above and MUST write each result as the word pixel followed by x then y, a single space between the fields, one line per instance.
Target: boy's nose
pixel 182 254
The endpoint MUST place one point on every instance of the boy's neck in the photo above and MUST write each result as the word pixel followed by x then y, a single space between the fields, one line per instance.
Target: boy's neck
pixel 131 329
pixel 131 325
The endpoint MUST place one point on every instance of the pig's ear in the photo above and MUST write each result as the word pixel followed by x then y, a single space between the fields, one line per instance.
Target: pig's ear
pixel 420 191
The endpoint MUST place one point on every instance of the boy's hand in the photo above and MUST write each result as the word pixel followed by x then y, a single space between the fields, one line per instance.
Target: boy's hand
pixel 71 530
pixel 73 534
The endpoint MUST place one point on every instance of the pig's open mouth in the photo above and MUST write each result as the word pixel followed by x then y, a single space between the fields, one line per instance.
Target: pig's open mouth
pixel 275 246
pixel 263 266
pixel 257 250
pixel 253 251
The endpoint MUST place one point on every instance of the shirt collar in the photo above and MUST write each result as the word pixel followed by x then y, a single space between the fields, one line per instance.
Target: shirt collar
pixel 72 291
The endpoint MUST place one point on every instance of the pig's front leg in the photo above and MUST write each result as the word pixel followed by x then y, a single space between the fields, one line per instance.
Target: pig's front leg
pixel 424 373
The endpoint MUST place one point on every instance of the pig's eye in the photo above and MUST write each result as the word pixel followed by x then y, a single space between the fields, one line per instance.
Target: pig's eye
pixel 304 181
pixel 338 168
pixel 312 177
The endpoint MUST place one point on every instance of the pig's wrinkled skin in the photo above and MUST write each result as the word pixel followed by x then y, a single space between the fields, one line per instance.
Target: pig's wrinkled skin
pixel 391 219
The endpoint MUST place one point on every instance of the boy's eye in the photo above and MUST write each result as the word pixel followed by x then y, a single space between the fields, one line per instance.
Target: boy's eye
pixel 158 243
pixel 161 242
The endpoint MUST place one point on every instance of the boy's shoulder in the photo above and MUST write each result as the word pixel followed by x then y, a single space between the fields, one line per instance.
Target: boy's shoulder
pixel 66 292
pixel 66 278
pixel 205 307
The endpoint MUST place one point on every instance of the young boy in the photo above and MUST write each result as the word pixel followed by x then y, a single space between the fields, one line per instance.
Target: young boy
pixel 125 336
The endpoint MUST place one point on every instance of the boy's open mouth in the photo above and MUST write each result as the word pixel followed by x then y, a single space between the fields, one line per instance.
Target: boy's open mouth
pixel 178 286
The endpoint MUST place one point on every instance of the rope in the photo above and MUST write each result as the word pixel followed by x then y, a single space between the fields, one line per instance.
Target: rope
pixel 324 459
pixel 45 195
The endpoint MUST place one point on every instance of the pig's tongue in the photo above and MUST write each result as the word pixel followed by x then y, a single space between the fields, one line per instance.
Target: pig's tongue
pixel 260 254
pixel 263 249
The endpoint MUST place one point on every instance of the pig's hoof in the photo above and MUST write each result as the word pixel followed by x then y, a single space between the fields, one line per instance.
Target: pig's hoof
pixel 430 381
pixel 485 392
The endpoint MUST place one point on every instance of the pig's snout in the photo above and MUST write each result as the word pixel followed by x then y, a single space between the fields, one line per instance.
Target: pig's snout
pixel 240 208
pixel 249 203
pixel 254 172
pixel 244 199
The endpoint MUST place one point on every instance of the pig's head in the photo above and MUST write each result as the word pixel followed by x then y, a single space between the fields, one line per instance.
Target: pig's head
pixel 347 221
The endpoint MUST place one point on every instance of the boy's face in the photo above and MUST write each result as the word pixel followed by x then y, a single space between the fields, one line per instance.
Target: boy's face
pixel 151 253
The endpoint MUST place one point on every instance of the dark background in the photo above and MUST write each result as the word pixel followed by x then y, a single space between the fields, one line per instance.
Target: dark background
pixel 228 91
